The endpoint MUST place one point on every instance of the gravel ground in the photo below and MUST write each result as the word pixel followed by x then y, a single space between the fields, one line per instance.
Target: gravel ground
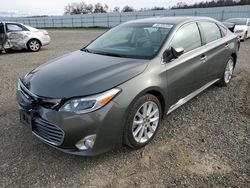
pixel 205 143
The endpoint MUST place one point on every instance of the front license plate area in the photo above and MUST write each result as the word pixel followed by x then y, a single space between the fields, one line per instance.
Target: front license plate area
pixel 25 118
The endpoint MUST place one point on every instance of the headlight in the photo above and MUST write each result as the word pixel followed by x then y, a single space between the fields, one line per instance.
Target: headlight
pixel 89 104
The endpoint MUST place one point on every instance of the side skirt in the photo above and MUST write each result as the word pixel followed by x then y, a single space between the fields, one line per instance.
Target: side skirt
pixel 190 96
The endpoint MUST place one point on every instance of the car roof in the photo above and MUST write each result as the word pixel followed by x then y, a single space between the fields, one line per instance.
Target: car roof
pixel 11 22
pixel 171 20
pixel 237 18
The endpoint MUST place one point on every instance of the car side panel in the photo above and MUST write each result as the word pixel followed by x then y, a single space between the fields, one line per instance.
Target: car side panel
pixel 217 57
pixel 152 79
pixel 186 74
pixel 17 40
pixel 218 53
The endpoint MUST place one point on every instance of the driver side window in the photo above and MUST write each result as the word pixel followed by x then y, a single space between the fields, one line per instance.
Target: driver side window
pixel 187 37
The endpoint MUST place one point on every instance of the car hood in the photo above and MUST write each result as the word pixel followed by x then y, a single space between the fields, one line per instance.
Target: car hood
pixel 240 27
pixel 81 74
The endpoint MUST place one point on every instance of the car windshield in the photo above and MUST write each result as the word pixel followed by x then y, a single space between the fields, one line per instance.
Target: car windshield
pixel 238 21
pixel 141 41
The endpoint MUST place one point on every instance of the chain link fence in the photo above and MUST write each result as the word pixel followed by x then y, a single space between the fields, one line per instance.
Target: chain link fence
pixel 113 19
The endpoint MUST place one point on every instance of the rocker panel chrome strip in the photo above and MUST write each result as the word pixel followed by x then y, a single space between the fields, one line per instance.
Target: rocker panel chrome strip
pixel 190 96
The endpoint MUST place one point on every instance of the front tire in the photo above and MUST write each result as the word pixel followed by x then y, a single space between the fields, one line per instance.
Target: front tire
pixel 228 72
pixel 143 122
pixel 34 45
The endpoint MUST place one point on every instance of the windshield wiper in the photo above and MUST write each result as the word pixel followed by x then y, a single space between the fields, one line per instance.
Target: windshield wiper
pixel 111 54
pixel 86 50
pixel 103 53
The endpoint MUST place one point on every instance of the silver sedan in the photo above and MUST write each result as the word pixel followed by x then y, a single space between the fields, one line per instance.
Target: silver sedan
pixel 17 36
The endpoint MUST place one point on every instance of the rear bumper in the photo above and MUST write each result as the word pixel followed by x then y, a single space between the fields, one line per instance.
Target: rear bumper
pixel 45 40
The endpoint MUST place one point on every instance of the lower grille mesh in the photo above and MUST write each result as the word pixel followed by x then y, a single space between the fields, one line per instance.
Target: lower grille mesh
pixel 48 132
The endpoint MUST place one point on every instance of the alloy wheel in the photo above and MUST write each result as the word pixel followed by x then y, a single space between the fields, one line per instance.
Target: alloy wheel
pixel 34 45
pixel 145 122
pixel 229 71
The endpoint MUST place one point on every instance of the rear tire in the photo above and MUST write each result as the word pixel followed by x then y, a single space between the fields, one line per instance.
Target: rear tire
pixel 143 121
pixel 34 45
pixel 227 74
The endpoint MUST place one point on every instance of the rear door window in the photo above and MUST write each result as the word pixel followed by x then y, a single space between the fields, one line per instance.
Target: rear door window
pixel 14 28
pixel 187 37
pixel 223 31
pixel 211 31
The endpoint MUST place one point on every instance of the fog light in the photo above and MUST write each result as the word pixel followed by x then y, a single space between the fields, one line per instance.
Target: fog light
pixel 86 143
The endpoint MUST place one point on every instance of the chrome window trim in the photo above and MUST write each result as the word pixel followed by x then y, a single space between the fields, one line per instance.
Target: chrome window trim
pixel 172 38
pixel 202 46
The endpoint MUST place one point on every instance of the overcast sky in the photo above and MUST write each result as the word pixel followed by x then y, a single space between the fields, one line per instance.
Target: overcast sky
pixel 56 7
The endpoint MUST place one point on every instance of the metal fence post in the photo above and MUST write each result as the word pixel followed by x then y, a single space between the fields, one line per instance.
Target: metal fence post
pixel 93 21
pixel 222 15
pixel 81 21
pixel 53 25
pixel 108 20
pixel 72 21
pixel 120 18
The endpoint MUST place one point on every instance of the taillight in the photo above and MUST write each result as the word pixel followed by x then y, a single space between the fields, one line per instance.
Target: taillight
pixel 45 33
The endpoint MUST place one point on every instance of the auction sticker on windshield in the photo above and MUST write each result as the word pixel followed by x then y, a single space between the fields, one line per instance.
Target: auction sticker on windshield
pixel 168 26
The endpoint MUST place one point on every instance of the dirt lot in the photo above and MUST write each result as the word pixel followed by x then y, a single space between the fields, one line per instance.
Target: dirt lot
pixel 205 143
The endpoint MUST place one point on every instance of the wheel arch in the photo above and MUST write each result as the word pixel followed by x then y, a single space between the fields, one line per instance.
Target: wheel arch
pixel 157 92
pixel 33 39
pixel 160 97
pixel 234 56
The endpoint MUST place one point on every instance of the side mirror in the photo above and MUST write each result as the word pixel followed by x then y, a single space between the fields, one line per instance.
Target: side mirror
pixel 172 53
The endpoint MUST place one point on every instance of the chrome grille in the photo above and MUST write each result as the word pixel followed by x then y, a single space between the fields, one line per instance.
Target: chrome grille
pixel 48 132
pixel 49 103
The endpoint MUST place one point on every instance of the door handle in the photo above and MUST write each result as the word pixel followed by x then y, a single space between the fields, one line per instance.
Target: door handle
pixel 226 45
pixel 203 58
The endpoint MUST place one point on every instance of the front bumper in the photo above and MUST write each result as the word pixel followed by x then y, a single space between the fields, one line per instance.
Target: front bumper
pixel 106 123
